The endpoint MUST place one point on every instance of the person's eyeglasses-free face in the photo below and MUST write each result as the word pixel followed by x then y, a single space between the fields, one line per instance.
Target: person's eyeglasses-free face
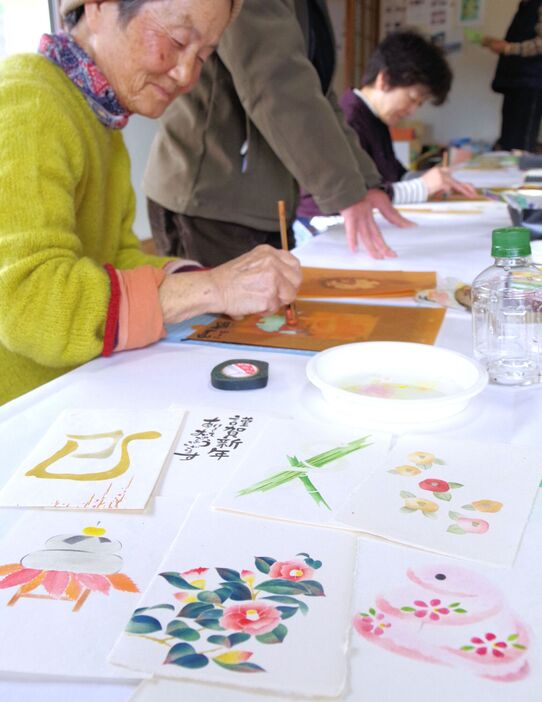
pixel 159 53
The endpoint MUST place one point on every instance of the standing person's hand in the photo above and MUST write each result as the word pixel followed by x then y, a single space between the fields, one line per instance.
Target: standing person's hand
pixel 498 46
pixel 439 180
pixel 361 227
pixel 258 282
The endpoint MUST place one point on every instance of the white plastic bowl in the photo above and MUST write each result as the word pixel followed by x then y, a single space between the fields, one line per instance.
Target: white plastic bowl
pixel 396 382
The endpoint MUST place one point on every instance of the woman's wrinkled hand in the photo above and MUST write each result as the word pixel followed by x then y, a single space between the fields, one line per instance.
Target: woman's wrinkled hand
pixel 361 228
pixel 258 282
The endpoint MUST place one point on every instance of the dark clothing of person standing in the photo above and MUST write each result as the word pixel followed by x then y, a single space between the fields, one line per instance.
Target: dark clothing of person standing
pixel 519 79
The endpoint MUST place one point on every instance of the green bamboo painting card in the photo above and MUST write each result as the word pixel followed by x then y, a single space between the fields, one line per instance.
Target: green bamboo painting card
pixel 302 471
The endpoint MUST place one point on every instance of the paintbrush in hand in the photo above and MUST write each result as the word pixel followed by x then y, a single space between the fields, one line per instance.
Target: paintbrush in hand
pixel 291 313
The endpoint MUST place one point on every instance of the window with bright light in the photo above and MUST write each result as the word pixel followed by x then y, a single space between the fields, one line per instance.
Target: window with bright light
pixel 22 22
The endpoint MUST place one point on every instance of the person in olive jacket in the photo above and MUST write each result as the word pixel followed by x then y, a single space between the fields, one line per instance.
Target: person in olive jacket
pixel 262 121
pixel 519 77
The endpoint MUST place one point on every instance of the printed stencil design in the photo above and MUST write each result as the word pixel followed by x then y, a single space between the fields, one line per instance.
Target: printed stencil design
pixel 448 615
pixel 321 325
pixel 300 470
pixel 215 619
pixel 70 568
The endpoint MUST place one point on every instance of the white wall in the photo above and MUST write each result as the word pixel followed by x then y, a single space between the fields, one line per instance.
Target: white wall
pixel 472 109
pixel 138 136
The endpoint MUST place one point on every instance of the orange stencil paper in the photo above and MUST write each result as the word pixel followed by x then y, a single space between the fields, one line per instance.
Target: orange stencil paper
pixel 331 282
pixel 324 324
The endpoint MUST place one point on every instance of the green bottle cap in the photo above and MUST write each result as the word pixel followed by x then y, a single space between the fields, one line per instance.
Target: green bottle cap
pixel 510 242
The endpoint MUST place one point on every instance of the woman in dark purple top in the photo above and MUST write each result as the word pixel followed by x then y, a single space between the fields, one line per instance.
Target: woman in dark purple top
pixel 403 72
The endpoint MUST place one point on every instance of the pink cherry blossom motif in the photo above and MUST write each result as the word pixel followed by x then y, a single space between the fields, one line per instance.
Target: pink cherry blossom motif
pixel 291 570
pixel 488 644
pixel 250 617
pixel 434 609
pixel 371 622
pixel 434 485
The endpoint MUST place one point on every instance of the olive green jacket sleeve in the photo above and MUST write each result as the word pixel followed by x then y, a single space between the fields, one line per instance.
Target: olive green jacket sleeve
pixel 265 52
pixel 255 127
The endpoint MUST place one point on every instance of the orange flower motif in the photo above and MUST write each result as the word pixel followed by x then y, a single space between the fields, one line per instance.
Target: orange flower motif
pixel 405 470
pixel 425 506
pixel 422 458
pixel 487 505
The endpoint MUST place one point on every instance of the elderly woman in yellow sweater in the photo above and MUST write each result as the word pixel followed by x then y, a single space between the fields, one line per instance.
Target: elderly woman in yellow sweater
pixel 74 283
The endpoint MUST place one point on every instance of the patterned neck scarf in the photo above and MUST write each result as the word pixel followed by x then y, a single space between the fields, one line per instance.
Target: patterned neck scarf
pixel 63 50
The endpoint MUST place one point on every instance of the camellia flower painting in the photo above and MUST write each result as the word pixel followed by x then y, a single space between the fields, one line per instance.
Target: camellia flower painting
pixel 240 607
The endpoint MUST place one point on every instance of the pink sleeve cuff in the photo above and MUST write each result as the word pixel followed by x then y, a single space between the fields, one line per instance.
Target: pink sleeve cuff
pixel 140 316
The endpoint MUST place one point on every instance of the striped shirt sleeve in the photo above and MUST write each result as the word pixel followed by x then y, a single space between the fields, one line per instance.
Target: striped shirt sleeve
pixel 529 47
pixel 408 191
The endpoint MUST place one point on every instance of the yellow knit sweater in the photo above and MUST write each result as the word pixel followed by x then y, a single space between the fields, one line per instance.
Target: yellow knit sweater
pixel 66 208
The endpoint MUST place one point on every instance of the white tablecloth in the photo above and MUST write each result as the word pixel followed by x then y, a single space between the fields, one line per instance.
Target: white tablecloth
pixel 454 245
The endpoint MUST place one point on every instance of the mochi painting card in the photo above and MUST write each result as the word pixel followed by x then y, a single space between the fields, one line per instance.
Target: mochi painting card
pixel 302 471
pixel 241 602
pixel 461 498
pixel 211 443
pixel 69 581
pixel 95 460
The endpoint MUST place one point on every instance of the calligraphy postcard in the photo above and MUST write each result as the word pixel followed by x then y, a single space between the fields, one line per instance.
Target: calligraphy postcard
pixel 462 498
pixel 303 471
pixel 69 582
pixel 335 282
pixel 321 325
pixel 95 460
pixel 246 604
pixel 210 446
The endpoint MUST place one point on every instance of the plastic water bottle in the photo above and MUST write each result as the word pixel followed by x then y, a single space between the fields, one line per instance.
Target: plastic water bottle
pixel 507 311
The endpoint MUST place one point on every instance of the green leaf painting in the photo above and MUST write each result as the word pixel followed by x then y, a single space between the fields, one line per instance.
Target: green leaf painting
pixel 300 470
pixel 141 624
pixel 237 608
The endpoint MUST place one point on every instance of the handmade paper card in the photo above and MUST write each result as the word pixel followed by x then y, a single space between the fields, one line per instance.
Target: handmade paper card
pixel 321 325
pixel 211 444
pixel 95 460
pixel 244 603
pixel 170 690
pixel 463 630
pixel 461 498
pixel 424 622
pixel 334 282
pixel 303 471
pixel 68 583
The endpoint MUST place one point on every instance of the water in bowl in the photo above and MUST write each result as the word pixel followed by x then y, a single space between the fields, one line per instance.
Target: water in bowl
pixel 404 389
